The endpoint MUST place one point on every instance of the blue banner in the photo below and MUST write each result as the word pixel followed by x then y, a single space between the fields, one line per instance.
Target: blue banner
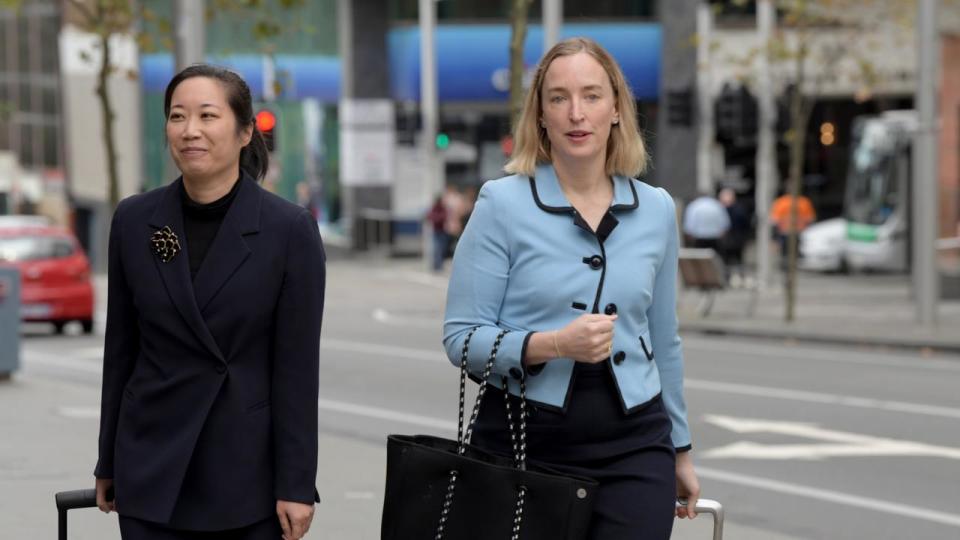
pixel 472 63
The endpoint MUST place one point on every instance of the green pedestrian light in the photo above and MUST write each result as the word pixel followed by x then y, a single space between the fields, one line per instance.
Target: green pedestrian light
pixel 443 141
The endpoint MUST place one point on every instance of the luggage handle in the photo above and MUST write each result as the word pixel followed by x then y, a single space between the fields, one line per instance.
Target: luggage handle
pixel 80 498
pixel 69 500
pixel 711 507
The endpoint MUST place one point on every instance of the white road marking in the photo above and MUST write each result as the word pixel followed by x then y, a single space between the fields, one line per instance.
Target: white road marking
pixel 695 346
pixel 827 495
pixel 385 317
pixel 392 351
pixel 438 356
pixel 422 278
pixel 90 353
pixel 818 397
pixel 835 443
pixel 33 357
pixel 86 413
pixel 386 414
pixel 787 488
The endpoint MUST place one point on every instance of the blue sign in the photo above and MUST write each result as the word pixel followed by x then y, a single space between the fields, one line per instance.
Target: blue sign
pixel 300 76
pixel 473 60
pixel 472 63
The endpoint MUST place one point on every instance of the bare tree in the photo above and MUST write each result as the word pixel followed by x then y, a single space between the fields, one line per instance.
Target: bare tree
pixel 807 20
pixel 834 35
pixel 107 18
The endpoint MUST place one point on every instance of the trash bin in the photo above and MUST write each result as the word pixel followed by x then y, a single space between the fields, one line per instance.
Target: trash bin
pixel 9 321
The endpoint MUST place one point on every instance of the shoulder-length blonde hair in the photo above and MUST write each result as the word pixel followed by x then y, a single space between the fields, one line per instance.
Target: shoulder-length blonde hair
pixel 626 153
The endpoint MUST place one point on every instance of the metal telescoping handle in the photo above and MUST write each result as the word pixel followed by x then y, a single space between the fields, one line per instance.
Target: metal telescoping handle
pixel 713 508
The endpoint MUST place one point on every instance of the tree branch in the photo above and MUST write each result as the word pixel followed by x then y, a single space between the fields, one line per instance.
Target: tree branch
pixel 82 8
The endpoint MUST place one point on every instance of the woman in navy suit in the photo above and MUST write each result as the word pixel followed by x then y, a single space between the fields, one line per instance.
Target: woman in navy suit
pixel 578 261
pixel 208 424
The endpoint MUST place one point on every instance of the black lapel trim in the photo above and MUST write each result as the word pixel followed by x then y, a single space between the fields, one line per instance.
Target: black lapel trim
pixel 566 209
pixel 547 207
pixel 636 199
pixel 539 404
pixel 639 406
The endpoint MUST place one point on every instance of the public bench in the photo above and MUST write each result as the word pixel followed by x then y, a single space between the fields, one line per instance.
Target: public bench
pixel 702 269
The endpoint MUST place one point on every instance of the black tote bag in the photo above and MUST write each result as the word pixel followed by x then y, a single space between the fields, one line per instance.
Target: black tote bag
pixel 441 489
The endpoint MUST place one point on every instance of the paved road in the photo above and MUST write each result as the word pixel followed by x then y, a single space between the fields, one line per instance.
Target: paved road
pixel 798 442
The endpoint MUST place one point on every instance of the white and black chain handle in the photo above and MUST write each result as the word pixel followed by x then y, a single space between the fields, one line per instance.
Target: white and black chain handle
pixel 465 433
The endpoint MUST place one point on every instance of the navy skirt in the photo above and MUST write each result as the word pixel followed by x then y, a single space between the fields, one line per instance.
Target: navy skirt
pixel 630 455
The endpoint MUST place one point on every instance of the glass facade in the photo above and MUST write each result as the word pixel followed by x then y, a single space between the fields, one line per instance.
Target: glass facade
pixel 238 37
pixel 30 84
pixel 306 29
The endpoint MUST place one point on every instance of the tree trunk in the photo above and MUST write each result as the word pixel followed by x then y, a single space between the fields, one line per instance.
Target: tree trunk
pixel 799 114
pixel 106 108
pixel 518 24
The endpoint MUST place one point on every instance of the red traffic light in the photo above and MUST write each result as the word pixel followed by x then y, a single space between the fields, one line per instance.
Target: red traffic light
pixel 266 120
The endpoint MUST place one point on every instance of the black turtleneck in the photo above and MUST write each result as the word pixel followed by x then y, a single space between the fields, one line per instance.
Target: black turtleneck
pixel 201 223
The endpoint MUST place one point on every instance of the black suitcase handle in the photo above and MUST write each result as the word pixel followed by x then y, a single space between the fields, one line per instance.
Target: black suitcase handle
pixel 80 498
pixel 68 500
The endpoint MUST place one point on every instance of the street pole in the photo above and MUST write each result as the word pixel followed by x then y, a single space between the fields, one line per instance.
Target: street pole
pixel 433 178
pixel 189 35
pixel 552 21
pixel 925 275
pixel 345 50
pixel 765 160
pixel 705 132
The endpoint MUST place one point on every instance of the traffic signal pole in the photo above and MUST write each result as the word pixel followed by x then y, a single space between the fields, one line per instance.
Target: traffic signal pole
pixel 189 34
pixel 765 164
pixel 552 21
pixel 705 131
pixel 433 178
pixel 925 159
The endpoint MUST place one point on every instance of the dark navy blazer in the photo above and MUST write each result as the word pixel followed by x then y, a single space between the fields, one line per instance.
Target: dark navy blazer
pixel 209 406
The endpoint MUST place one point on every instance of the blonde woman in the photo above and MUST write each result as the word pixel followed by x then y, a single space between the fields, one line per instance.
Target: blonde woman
pixel 579 261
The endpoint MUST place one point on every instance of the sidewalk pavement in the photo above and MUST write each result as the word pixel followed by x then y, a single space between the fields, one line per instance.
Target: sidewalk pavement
pixel 847 309
pixel 860 309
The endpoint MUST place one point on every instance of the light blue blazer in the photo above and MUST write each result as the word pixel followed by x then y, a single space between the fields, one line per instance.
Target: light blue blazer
pixel 528 262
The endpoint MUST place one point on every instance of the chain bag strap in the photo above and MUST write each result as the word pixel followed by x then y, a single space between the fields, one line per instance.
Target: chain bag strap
pixel 499 497
pixel 464 435
pixel 519 447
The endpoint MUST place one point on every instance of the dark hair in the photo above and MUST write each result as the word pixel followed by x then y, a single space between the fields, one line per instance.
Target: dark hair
pixel 254 157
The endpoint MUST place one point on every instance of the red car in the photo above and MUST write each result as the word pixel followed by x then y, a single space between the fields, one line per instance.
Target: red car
pixel 54 274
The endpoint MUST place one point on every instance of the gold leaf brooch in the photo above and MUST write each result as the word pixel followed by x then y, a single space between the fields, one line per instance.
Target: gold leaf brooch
pixel 165 244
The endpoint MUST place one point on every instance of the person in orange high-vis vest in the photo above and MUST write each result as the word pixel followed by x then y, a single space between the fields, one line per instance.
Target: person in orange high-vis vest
pixel 780 217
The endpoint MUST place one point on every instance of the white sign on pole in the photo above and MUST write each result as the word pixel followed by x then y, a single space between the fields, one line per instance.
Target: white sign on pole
pixel 367 142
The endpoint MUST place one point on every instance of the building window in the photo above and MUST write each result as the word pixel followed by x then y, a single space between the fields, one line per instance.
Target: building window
pixel 51 146
pixel 26 145
pixel 49 39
